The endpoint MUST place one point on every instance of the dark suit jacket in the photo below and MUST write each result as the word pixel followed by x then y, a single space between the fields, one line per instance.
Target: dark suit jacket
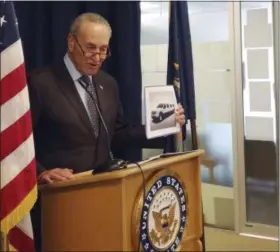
pixel 63 134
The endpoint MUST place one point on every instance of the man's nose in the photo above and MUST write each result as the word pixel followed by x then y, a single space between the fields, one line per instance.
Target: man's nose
pixel 96 56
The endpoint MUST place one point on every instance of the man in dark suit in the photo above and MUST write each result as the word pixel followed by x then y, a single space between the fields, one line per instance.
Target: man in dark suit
pixel 68 132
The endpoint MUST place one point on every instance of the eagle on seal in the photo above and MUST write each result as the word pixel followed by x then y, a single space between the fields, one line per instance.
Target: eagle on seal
pixel 165 224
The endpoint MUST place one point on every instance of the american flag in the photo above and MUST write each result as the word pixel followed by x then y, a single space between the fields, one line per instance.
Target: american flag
pixel 18 168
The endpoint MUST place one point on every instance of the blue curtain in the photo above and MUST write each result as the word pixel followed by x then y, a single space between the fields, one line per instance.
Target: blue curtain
pixel 180 64
pixel 44 27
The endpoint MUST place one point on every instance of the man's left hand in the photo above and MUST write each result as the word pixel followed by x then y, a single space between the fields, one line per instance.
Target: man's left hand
pixel 179 115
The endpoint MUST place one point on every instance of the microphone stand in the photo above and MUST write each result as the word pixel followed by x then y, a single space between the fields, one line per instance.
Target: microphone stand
pixel 111 164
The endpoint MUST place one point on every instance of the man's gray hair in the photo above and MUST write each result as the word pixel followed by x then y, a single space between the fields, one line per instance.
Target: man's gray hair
pixel 91 17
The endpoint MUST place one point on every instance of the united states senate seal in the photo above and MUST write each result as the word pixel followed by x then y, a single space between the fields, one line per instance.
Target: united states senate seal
pixel 164 215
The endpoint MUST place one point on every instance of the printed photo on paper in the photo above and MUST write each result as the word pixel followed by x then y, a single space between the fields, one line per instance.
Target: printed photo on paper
pixel 160 106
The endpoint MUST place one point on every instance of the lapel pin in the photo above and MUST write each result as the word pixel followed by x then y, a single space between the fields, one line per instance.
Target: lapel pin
pixel 101 87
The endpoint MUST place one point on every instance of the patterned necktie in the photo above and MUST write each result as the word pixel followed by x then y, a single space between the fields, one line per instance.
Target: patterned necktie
pixel 93 113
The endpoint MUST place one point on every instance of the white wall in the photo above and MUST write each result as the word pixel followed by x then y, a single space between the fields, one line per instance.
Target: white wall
pixel 210 35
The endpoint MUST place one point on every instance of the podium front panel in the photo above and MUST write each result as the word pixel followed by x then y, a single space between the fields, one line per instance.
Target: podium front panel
pixel 107 212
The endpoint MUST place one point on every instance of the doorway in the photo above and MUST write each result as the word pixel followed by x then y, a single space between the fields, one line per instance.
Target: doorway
pixel 256 181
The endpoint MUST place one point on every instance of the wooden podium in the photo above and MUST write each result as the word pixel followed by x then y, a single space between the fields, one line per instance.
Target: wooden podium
pixel 106 212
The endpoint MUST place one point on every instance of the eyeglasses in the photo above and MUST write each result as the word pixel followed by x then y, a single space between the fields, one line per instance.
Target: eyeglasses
pixel 103 52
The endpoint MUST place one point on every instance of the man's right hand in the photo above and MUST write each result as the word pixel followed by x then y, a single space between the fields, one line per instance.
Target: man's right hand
pixel 53 175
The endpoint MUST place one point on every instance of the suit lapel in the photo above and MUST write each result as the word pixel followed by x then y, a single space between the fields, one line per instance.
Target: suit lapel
pixel 69 90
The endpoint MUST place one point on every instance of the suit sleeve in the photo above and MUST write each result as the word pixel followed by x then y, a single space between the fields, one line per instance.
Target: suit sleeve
pixel 132 135
pixel 35 108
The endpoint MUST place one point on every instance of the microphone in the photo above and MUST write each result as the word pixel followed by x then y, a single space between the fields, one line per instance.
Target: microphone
pixel 112 164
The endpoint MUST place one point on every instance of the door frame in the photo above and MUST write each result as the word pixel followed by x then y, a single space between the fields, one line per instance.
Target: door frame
pixel 242 226
pixel 276 19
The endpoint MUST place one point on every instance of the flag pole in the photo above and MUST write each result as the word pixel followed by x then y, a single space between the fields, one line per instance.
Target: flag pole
pixel 194 134
pixel 179 136
pixel 4 242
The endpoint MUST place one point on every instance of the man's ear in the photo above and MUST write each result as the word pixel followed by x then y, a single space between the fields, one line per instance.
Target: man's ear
pixel 71 42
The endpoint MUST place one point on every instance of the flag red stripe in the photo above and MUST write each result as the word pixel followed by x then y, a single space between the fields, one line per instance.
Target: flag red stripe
pixel 12 83
pixel 20 241
pixel 15 135
pixel 16 190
